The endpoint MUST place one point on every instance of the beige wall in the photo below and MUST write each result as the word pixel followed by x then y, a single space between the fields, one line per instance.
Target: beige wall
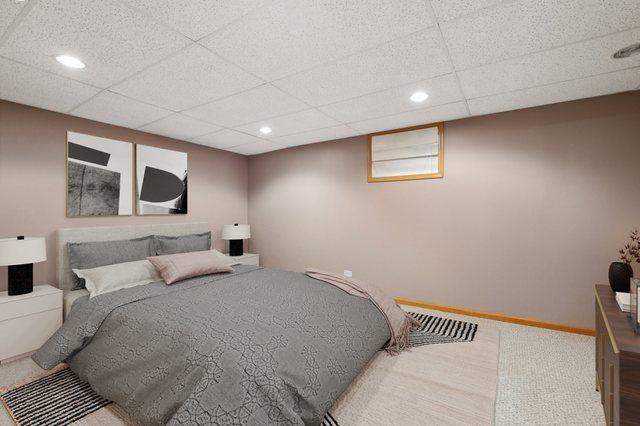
pixel 532 209
pixel 32 179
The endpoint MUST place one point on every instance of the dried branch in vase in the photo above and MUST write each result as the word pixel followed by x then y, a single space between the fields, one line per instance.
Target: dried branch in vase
pixel 631 251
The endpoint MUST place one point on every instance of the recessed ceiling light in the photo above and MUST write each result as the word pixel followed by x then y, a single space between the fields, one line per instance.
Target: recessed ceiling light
pixel 625 52
pixel 265 130
pixel 418 97
pixel 70 61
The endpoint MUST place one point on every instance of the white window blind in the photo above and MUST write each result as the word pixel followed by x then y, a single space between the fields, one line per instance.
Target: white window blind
pixel 412 154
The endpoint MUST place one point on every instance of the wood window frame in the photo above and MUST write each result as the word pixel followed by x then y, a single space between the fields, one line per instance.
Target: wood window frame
pixel 439 174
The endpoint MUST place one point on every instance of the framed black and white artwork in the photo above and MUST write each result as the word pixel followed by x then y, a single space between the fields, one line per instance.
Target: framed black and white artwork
pixel 161 177
pixel 99 176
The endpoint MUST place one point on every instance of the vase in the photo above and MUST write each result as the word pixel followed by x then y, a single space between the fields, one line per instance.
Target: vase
pixel 620 274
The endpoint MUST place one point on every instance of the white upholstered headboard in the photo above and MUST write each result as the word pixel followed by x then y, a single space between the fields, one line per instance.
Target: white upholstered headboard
pixel 110 233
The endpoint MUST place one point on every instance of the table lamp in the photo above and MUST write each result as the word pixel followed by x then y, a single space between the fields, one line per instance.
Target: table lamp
pixel 19 254
pixel 235 234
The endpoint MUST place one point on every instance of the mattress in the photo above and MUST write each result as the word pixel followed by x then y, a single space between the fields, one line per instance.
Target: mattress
pixel 71 296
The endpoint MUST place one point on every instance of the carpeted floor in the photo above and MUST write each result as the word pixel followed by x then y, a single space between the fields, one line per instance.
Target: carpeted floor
pixel 545 377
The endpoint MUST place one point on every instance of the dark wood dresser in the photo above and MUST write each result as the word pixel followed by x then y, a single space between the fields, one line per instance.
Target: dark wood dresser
pixel 617 361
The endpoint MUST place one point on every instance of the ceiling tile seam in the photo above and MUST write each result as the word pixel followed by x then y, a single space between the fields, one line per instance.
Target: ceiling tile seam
pixel 176 113
pixel 510 58
pixel 249 143
pixel 358 132
pixel 26 9
pixel 224 59
pixel 230 23
pixel 132 99
pixel 363 50
pixel 184 111
pixel 387 89
pixel 159 61
pixel 307 131
pixel 187 140
pixel 427 109
pixel 554 83
pixel 448 54
pixel 181 111
pixel 328 116
pixel 108 88
pixel 70 110
pixel 476 12
pixel 51 73
pixel 170 55
pixel 270 118
pixel 232 129
pixel 152 19
pixel 287 134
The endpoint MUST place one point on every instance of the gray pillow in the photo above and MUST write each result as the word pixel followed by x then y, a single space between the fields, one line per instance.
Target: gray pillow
pixel 182 243
pixel 101 253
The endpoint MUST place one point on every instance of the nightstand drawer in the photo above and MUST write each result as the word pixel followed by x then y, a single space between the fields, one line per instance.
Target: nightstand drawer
pixel 19 336
pixel 250 260
pixel 31 305
pixel 247 259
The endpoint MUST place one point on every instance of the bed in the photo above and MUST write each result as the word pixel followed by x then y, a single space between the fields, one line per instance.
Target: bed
pixel 254 346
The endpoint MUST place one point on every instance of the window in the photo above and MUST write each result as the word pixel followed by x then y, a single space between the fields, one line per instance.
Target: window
pixel 407 154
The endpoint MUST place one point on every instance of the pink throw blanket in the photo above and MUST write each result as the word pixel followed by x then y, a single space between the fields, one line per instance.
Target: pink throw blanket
pixel 399 322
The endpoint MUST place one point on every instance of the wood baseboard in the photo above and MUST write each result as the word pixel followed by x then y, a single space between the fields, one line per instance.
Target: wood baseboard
pixel 497 317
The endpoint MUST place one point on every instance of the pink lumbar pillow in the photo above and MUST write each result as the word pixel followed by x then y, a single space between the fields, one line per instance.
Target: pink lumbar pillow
pixel 180 266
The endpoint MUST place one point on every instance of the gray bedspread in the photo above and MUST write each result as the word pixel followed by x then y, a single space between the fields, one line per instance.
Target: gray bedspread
pixel 255 346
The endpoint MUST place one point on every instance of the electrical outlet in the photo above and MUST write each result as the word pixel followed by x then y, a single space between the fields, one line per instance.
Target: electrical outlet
pixel 347 273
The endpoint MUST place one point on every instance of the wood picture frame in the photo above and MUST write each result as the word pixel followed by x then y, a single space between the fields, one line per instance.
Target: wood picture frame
pixel 409 176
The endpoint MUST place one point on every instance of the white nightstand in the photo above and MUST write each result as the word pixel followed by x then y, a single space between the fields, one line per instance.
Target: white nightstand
pixel 247 259
pixel 28 320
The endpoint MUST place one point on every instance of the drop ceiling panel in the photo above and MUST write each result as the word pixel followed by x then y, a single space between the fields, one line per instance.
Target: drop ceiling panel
pixel 179 126
pixel 252 105
pixel 8 12
pixel 110 38
pixel 525 26
pixel 30 86
pixel 293 35
pixel 441 90
pixel 255 148
pixel 225 138
pixel 564 63
pixel 190 78
pixel 435 114
pixel 326 134
pixel 113 108
pixel 447 10
pixel 413 58
pixel 311 70
pixel 302 121
pixel 618 81
pixel 195 18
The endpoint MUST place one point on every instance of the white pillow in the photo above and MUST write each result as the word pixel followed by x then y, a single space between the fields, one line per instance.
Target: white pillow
pixel 224 258
pixel 105 279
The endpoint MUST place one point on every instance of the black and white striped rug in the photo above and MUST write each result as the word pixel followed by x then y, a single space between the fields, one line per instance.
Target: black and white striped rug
pixel 57 399
pixel 60 399
pixel 440 330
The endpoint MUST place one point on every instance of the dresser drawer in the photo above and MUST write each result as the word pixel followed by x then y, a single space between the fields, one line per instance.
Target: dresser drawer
pixel 31 305
pixel 26 334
